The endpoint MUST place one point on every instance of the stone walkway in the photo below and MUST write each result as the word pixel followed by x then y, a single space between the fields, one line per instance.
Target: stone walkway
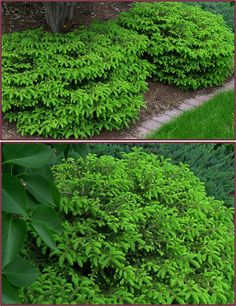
pixel 157 121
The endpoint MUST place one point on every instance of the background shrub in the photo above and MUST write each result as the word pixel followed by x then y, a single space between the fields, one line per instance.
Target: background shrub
pixel 213 164
pixel 74 84
pixel 190 47
pixel 222 8
pixel 136 230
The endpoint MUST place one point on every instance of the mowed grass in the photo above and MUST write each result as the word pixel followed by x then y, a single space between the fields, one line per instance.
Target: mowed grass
pixel 212 120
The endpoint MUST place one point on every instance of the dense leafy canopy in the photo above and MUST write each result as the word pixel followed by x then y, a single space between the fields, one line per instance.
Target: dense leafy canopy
pixel 213 164
pixel 190 48
pixel 136 230
pixel 93 79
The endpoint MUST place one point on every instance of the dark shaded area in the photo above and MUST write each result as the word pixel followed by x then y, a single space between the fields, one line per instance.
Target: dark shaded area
pixel 20 16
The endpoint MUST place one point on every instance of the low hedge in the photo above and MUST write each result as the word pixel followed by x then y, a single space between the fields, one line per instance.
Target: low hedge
pixel 136 230
pixel 190 47
pixel 76 84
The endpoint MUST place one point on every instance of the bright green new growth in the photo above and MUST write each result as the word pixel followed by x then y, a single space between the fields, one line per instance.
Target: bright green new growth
pixel 190 47
pixel 74 85
pixel 136 230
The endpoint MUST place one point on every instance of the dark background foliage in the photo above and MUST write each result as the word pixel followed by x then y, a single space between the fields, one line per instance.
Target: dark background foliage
pixel 222 8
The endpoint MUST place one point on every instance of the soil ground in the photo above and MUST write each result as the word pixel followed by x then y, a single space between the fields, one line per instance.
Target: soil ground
pixel 159 98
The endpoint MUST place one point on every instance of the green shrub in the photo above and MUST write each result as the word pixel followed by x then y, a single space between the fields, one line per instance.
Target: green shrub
pixel 190 47
pixel 222 8
pixel 212 164
pixel 136 230
pixel 115 150
pixel 76 84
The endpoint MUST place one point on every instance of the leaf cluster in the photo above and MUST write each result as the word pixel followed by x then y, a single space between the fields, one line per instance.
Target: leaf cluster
pixel 212 164
pixel 29 201
pixel 190 47
pixel 76 84
pixel 137 230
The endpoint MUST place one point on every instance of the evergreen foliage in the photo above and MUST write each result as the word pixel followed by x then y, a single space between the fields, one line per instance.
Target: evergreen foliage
pixel 137 230
pixel 190 47
pixel 73 85
pixel 212 164
pixel 93 79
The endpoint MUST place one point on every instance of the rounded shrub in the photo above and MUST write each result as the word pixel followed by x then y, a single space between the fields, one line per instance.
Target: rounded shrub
pixel 75 84
pixel 136 230
pixel 190 47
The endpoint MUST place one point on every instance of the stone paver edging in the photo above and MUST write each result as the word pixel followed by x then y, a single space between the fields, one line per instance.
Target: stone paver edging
pixel 157 121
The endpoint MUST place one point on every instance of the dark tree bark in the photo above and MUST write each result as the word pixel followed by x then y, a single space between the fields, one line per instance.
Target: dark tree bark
pixel 59 14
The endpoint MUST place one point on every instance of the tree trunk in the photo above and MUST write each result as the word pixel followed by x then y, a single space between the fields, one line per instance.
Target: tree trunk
pixel 59 15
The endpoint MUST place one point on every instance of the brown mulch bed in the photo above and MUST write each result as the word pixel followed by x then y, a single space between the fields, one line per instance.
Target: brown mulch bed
pixel 21 16
pixel 159 97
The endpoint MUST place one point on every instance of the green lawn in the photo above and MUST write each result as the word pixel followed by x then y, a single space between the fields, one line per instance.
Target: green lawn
pixel 212 120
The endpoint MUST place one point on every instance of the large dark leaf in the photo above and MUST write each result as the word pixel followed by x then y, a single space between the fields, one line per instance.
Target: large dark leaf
pixel 44 233
pixel 42 189
pixel 13 237
pixel 47 215
pixel 9 293
pixel 27 155
pixel 13 195
pixel 45 171
pixel 30 201
pixel 20 272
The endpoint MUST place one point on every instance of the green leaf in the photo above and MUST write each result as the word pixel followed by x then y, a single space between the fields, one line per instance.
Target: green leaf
pixel 13 237
pixel 20 272
pixel 43 190
pixel 27 155
pixel 30 201
pixel 13 195
pixel 7 169
pixel 45 171
pixel 9 293
pixel 47 215
pixel 45 234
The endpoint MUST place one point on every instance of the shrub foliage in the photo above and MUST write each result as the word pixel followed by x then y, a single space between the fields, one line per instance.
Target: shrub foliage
pixel 190 47
pixel 93 79
pixel 212 164
pixel 136 230
pixel 74 84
